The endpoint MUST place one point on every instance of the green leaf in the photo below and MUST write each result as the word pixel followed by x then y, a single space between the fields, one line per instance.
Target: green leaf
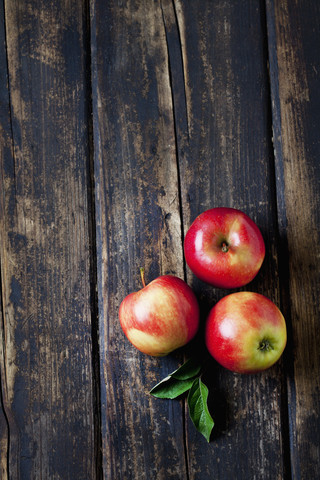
pixel 198 408
pixel 189 369
pixel 178 381
pixel 171 387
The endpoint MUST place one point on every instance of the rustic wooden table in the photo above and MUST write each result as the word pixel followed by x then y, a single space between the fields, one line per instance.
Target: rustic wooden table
pixel 120 122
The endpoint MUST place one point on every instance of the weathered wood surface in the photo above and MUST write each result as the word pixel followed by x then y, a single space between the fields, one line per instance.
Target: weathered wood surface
pixel 138 224
pixel 295 83
pixel 120 122
pixel 227 161
pixel 46 343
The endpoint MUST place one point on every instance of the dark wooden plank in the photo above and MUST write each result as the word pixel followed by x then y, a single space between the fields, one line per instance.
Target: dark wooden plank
pixel 226 159
pixel 138 224
pixel 46 347
pixel 4 142
pixel 295 68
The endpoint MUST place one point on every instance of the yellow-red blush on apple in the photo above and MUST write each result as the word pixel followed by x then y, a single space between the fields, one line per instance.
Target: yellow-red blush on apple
pixel 161 317
pixel 246 332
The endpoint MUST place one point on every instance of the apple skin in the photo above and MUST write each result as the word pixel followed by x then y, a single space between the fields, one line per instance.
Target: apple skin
pixel 224 247
pixel 245 332
pixel 161 317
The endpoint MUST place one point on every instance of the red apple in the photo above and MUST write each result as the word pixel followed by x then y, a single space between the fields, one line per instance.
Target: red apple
pixel 162 316
pixel 224 247
pixel 245 332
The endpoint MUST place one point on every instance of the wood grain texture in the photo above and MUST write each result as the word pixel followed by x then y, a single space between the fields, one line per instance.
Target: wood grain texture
pixel 120 122
pixel 226 159
pixel 295 68
pixel 5 150
pixel 138 224
pixel 46 348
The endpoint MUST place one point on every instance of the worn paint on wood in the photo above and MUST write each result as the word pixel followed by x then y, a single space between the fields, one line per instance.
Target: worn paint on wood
pixel 295 68
pixel 225 161
pixel 120 122
pixel 138 224
pixel 46 359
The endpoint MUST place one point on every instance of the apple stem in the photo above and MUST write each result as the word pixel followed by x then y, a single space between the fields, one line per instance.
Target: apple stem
pixel 142 276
